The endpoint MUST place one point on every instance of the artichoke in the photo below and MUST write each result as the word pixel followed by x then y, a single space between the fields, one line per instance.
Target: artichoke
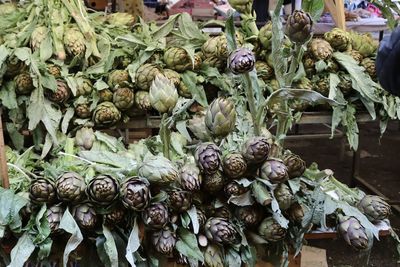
pixel 201 217
pixel 309 65
pixel 295 165
pixel 158 169
pixel 190 177
pixel 155 216
pixel 142 100
pixel 234 189
pixel 374 208
pixel 41 191
pixel 251 216
pixel 353 232
pixel 222 231
pixel 213 256
pixel 209 48
pixel 121 19
pixel 296 212
pixel 345 85
pixel 369 65
pixel 242 6
pixel 221 212
pixel 322 85
pixel 180 201
pixel 70 187
pixel 364 43
pixel 23 84
pixel 106 95
pixel 85 138
pixel 83 111
pixel 102 190
pixel 85 87
pixel 135 193
pixel 173 76
pixel 234 165
pixel 183 90
pixel 215 62
pixel 61 94
pixel 271 230
pixel 123 98
pixel 213 183
pixel 339 39
pixel 74 42
pixel 264 71
pixel 275 171
pixel 164 241
pixel 320 49
pixel 207 157
pixel 7 8
pixel 255 150
pixel 355 55
pixel 145 76
pixel 261 193
pixel 284 196
pixel 220 117
pixel 115 217
pixel 299 27
pixel 241 60
pixel 85 216
pixel 54 215
pixel 38 35
pixel 106 114
pixel 163 95
pixel 178 59
pixel 265 35
pixel 118 78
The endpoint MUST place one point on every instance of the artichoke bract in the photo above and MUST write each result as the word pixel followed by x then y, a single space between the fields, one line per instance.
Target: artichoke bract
pixel 155 216
pixel 284 196
pixel 164 241
pixel 135 193
pixel 123 98
pixel 190 177
pixel 85 138
pixel 145 76
pixel 38 35
pixel 23 84
pixel 142 100
pixel 295 165
pixel 158 169
pixel 355 55
pixel 220 117
pixel 275 171
pixel 234 165
pixel 85 216
pixel 54 214
pixel 178 59
pixel 118 78
pixel 106 114
pixel 42 190
pixel 102 190
pixel 353 232
pixel 241 60
pixel 256 150
pixel 74 42
pixel 222 231
pixel 179 200
pixel 265 35
pixel 70 187
pixel 374 208
pixel 339 39
pixel 271 230
pixel 299 27
pixel 61 94
pixel 213 183
pixel 163 94
pixel 208 158
pixel 320 49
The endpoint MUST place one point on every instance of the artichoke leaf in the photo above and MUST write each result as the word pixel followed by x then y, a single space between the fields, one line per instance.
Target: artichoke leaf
pixel 187 245
pixel 22 251
pixel 133 244
pixel 314 7
pixel 69 225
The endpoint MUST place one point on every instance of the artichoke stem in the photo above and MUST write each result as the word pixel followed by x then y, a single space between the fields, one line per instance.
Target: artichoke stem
pixel 250 22
pixel 165 136
pixel 343 188
pixel 296 57
pixel 252 104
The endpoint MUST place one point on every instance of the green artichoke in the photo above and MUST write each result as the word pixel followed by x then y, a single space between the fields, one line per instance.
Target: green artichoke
pixel 220 117
pixel 164 241
pixel 155 216
pixel 271 230
pixel 234 189
pixel 54 215
pixel 369 65
pixel 38 35
pixel 61 94
pixel 355 55
pixel 295 165
pixel 242 6
pixel 41 191
pixel 222 231
pixel 85 87
pixel 339 39
pixel 265 35
pixel 190 177
pixel 145 76
pixel 118 78
pixel 183 90
pixel 135 193
pixel 173 76
pixel 322 85
pixel 106 114
pixel 345 85
pixel 180 201
pixel 103 190
pixel 364 43
pixel 209 48
pixel 158 169
pixel 163 95
pixel 120 19
pixel 261 193
pixel 23 84
pixel 85 216
pixel 142 100
pixel 353 232
pixel 178 59
pixel 213 183
pixel 7 8
pixel 213 256
pixel 234 165
pixel 85 138
pixel 241 60
pixel 309 64
pixel 106 95
pixel 251 216
pixel 83 111
pixel 284 196
pixel 208 158
pixel 374 208
pixel 215 62
pixel 123 98
pixel 275 171
pixel 255 150
pixel 74 42
pixel 70 187
pixel 299 27
pixel 320 49
pixel 264 71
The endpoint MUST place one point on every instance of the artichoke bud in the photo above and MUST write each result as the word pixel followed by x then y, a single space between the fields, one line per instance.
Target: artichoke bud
pixel 234 189
pixel 339 39
pixel 173 76
pixel 284 196
pixel 256 150
pixel 250 215
pixel 85 87
pixel 103 190
pixel 123 98
pixel 135 193
pixel 115 217
pixel 121 19
pixel 374 208
pixel 106 114
pixel 220 117
pixel 23 84
pixel 197 126
pixel 271 230
pixel 180 201
pixel 155 216
pixel 164 241
pixel 106 95
pixel 222 231
pixel 265 35
pixel 295 165
pixel 163 94
pixel 299 27
pixel 296 212
pixel 208 158
pixel 62 93
pixel 242 6
pixel 190 177
pixel 213 256
pixel 54 215
pixel 353 232
pixel 118 78
pixel 213 183
pixel 158 169
pixel 70 187
pixel 320 49
pixel 74 42
pixel 38 35
pixel 83 111
pixel 241 60
pixel 85 138
pixel 145 76
pixel 264 71
pixel 275 171
pixel 142 100
pixel 178 59
pixel 42 190
pixel 85 216
pixel 234 165
pixel 261 193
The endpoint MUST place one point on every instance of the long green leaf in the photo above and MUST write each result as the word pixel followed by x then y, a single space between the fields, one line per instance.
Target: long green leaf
pixel 70 226
pixel 314 7
pixel 187 245
pixel 133 244
pixel 110 247
pixel 22 251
